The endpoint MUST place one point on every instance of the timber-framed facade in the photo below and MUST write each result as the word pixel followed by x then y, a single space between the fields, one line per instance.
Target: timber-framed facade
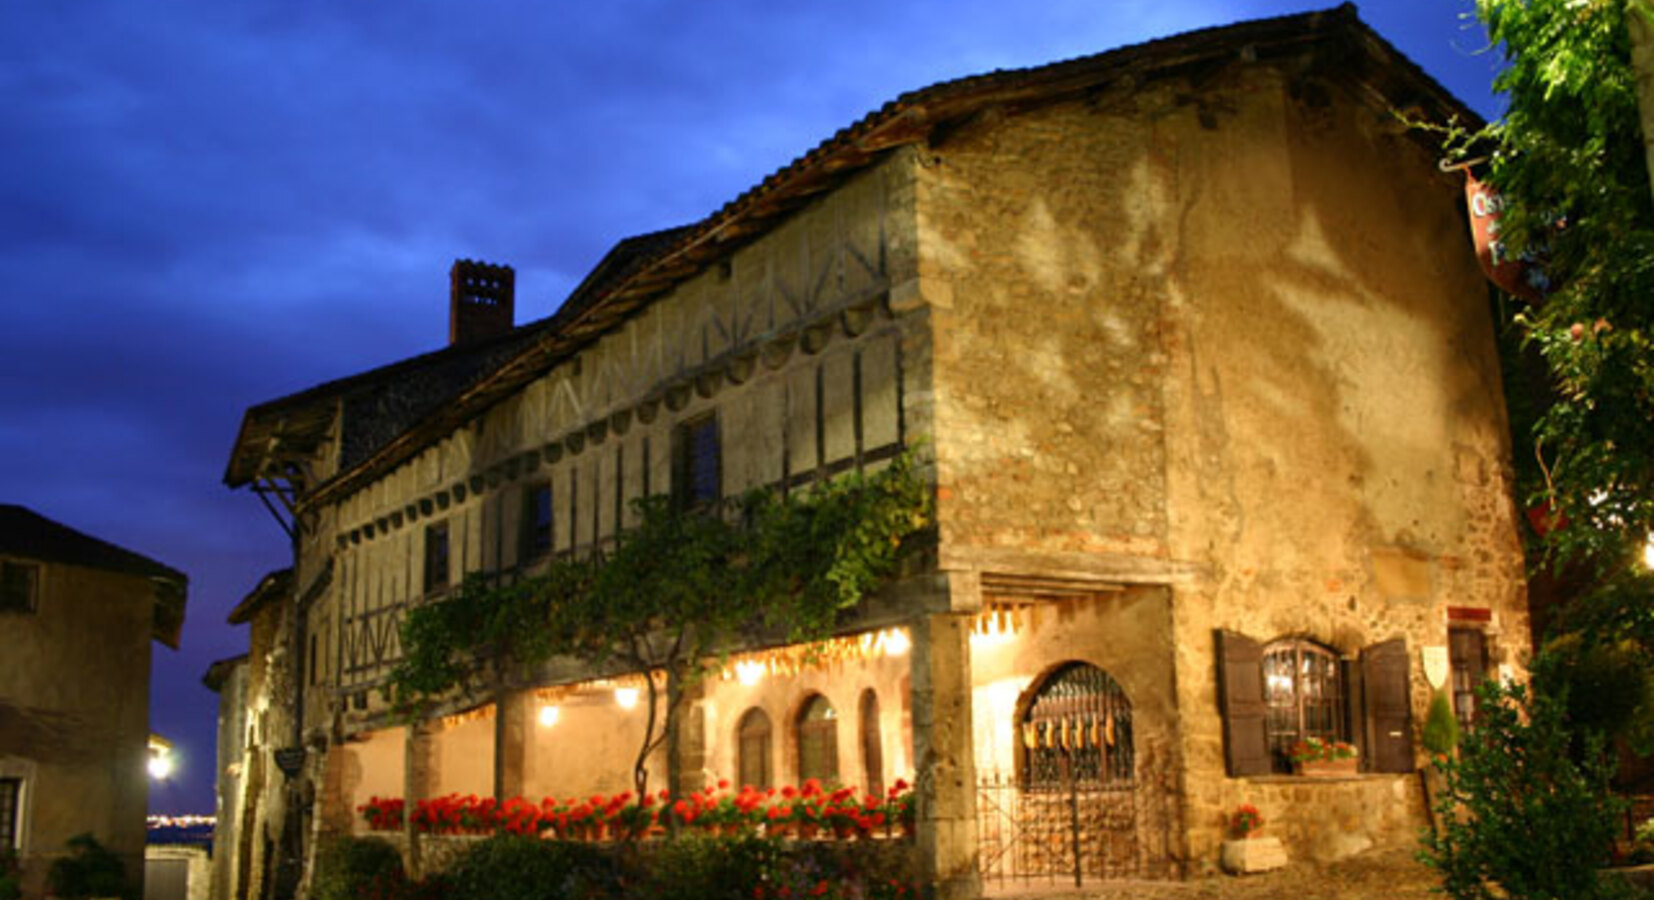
pixel 1199 366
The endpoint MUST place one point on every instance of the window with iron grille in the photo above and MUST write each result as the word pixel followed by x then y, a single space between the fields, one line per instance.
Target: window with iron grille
pixel 1303 696
pixel 1467 656
pixel 753 752
pixel 818 740
pixel 436 557
pixel 11 805
pixel 696 463
pixel 19 587
pixel 1077 730
pixel 536 528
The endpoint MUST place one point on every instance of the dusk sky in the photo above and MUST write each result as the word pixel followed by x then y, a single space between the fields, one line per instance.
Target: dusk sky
pixel 206 205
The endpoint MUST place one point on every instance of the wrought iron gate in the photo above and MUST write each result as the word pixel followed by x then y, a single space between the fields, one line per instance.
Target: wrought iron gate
pixel 1071 809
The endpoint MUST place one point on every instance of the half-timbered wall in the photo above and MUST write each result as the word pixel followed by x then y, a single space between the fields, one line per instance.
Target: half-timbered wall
pixel 790 344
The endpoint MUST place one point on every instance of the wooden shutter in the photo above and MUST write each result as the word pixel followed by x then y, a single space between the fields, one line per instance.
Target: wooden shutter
pixel 1241 702
pixel 1389 707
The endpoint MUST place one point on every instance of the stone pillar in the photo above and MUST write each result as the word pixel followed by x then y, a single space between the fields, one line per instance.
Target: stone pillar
pixel 511 723
pixel 418 775
pixel 686 744
pixel 945 755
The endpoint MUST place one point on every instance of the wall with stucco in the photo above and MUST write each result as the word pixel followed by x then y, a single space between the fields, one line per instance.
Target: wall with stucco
pixel 1232 341
pixel 74 715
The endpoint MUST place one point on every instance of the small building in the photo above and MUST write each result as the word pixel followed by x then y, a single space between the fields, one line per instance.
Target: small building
pixel 77 616
pixel 1200 370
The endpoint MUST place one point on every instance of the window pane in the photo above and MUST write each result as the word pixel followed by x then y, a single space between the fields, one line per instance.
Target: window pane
pixel 11 790
pixel 436 557
pixel 536 521
pixel 18 584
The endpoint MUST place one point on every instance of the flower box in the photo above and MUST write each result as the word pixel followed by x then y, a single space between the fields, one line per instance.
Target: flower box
pixel 1254 854
pixel 1347 767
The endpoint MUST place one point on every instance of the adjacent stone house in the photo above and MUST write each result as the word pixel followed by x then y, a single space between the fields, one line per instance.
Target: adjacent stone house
pixel 77 615
pixel 1200 365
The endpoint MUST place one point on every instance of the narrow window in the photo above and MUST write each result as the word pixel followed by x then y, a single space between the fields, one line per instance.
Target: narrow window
pixel 696 463
pixel 1467 654
pixel 19 587
pixel 11 805
pixel 313 658
pixel 436 557
pixel 753 748
pixel 536 528
pixel 817 729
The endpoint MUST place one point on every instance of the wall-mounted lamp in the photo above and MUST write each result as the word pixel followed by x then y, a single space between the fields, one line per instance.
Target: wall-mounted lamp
pixel 549 715
pixel 626 697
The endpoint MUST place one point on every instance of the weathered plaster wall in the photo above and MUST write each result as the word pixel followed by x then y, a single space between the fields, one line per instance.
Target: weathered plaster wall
pixel 1235 344
pixel 231 778
pixel 74 715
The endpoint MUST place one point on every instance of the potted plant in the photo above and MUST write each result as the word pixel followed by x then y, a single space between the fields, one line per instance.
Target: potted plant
pixel 1246 822
pixel 1317 758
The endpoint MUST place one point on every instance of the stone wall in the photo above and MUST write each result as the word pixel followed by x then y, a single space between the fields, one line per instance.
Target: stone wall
pixel 1232 341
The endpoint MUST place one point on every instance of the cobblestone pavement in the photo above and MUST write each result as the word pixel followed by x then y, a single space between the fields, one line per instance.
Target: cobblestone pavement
pixel 1378 875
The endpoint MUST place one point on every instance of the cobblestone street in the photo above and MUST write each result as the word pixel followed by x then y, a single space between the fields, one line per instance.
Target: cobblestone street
pixel 1389 874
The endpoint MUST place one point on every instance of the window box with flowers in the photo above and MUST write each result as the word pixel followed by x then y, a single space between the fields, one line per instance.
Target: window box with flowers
pixel 1316 758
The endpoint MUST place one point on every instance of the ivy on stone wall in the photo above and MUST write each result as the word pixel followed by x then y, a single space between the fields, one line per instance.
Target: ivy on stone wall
pixel 681 588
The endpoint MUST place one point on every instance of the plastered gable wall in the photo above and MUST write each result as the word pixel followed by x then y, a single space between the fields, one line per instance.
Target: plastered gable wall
pixel 789 344
pixel 1234 334
pixel 76 675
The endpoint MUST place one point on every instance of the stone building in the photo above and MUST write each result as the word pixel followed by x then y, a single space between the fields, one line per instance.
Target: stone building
pixel 1200 366
pixel 77 615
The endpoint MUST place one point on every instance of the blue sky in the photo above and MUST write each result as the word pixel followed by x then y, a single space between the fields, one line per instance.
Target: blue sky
pixel 205 205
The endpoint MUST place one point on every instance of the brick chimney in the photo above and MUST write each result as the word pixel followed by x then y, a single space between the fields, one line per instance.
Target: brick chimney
pixel 481 297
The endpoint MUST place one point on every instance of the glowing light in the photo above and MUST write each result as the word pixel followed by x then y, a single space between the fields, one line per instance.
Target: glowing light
pixel 549 715
pixel 626 697
pixel 1648 552
pixel 896 642
pixel 160 766
pixel 749 672
pixel 993 628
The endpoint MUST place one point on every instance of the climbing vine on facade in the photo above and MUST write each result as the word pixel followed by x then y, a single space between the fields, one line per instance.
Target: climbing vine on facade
pixel 680 588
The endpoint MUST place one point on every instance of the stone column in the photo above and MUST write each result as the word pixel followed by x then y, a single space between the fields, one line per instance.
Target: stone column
pixel 418 775
pixel 686 743
pixel 945 755
pixel 511 722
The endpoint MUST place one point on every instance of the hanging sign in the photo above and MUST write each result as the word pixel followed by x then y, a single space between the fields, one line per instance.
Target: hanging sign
pixel 1435 665
pixel 1520 275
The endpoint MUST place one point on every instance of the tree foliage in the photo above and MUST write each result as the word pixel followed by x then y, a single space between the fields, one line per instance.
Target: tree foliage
pixel 1568 160
pixel 679 588
pixel 1527 813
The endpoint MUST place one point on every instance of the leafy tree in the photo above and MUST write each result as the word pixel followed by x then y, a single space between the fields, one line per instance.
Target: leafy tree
pixel 1527 813
pixel 1568 161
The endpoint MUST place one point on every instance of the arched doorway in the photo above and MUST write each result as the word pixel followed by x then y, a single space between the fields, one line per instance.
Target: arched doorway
pixel 1070 810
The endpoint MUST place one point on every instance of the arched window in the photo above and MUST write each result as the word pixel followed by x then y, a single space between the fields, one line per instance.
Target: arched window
pixel 1077 726
pixel 1303 686
pixel 753 749
pixel 817 728
pixel 872 744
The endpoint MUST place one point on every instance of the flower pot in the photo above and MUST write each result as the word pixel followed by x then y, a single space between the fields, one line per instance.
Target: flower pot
pixel 1348 767
pixel 1259 854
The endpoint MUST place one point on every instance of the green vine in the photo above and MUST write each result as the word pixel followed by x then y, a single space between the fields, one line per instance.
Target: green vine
pixel 681 588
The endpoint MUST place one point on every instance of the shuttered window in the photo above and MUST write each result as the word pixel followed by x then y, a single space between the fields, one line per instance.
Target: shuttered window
pixel 1271 696
pixel 1240 699
pixel 1389 707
